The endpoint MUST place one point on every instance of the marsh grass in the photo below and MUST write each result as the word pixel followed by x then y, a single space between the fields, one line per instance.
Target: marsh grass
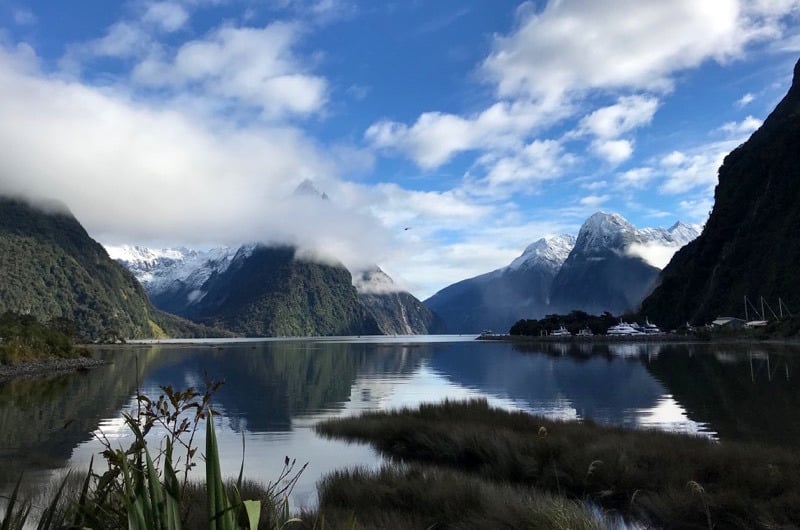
pixel 643 475
pixel 418 497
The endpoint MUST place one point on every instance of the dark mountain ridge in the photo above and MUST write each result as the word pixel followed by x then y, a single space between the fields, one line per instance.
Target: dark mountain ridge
pixel 751 243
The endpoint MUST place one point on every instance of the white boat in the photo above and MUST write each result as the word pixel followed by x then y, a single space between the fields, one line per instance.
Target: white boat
pixel 649 328
pixel 623 328
pixel 561 332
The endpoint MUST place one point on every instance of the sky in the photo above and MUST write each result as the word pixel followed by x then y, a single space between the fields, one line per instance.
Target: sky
pixel 448 135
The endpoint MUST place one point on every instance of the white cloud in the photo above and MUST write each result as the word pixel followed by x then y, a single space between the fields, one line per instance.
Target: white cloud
pixel 614 151
pixel 686 171
pixel 627 114
pixel 746 126
pixel 169 16
pixel 596 185
pixel 122 40
pixel 422 211
pixel 573 45
pixel 635 178
pixel 132 171
pixel 697 210
pixel 436 137
pixel 593 201
pixel 252 66
pixel 745 100
pixel 655 254
pixel 521 171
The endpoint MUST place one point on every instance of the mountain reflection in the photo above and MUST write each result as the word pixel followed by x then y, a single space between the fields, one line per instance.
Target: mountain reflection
pixel 42 419
pixel 284 387
pixel 267 385
pixel 556 379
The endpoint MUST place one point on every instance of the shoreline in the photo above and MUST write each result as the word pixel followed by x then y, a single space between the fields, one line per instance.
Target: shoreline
pixel 48 366
pixel 633 339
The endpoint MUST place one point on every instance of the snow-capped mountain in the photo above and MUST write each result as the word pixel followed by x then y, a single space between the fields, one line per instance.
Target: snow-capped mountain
pixel 497 299
pixel 549 253
pixel 158 270
pixel 603 231
pixel 610 266
pixel 194 284
pixel 614 265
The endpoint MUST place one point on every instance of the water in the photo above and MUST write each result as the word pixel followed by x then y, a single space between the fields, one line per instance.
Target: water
pixel 275 391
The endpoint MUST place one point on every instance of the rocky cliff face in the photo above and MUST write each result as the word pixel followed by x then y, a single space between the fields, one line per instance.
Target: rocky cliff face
pixel 750 244
pixel 397 312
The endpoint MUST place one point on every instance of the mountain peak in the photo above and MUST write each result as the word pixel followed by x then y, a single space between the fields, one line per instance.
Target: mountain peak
pixel 603 231
pixel 308 189
pixel 551 251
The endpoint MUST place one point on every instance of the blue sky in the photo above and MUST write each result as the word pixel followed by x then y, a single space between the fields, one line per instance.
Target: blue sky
pixel 480 126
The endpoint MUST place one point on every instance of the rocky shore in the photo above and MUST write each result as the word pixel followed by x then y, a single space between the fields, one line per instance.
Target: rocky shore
pixel 48 366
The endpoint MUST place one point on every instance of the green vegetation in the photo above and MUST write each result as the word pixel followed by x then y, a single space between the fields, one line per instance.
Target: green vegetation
pixel 147 487
pixel 272 294
pixel 666 480
pixel 23 338
pixel 52 269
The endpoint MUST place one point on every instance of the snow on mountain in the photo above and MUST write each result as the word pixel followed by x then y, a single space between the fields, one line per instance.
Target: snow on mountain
pixel 548 252
pixel 158 269
pixel 609 231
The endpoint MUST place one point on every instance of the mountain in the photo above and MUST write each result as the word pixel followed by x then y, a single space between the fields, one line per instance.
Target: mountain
pixel 254 290
pixel 176 281
pixel 613 265
pixel 750 245
pixel 173 277
pixel 497 299
pixel 397 312
pixel 51 268
pixel 267 292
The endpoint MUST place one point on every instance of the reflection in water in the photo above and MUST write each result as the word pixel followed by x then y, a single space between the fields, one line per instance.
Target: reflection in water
pixel 276 391
pixel 603 382
pixel 43 419
pixel 742 392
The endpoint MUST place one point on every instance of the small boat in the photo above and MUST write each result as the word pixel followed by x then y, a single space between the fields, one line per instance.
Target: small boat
pixel 561 332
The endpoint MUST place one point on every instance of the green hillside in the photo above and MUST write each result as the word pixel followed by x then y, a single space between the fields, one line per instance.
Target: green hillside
pixel 51 268
pixel 272 294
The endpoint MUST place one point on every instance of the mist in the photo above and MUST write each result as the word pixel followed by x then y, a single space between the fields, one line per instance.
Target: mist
pixel 140 171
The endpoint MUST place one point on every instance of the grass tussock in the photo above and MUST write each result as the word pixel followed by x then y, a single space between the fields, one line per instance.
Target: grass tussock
pixel 406 497
pixel 667 480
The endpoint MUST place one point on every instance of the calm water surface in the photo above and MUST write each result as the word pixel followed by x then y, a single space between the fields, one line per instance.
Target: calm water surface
pixel 275 391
